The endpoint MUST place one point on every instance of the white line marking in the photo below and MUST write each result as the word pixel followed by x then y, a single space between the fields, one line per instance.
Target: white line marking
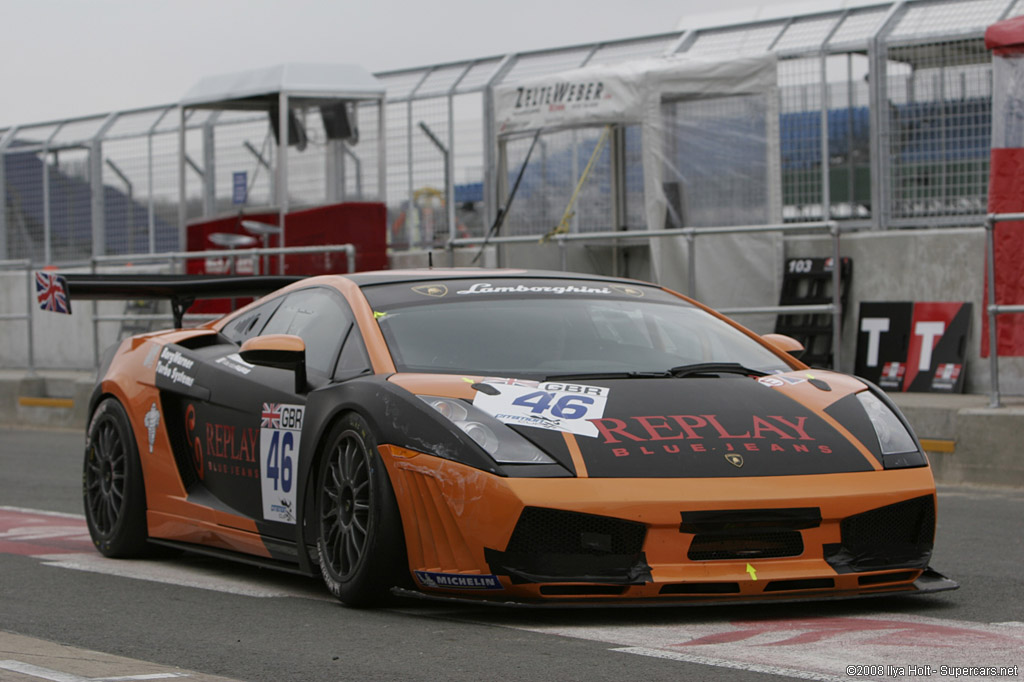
pixel 171 573
pixel 151 676
pixel 1011 623
pixel 40 512
pixel 41 673
pixel 58 676
pixel 733 665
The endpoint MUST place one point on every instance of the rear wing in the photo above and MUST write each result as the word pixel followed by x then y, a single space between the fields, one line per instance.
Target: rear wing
pixel 55 291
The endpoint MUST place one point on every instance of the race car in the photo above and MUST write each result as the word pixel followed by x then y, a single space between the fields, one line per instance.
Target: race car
pixel 510 436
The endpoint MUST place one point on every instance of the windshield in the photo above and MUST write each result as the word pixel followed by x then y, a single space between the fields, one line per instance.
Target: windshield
pixel 545 335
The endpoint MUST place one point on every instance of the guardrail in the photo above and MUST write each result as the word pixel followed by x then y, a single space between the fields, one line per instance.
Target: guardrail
pixel 25 265
pixel 994 310
pixel 691 234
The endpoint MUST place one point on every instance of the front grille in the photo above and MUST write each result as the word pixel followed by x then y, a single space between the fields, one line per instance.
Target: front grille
pixel 551 545
pixel 753 545
pixel 723 534
pixel 552 531
pixel 895 536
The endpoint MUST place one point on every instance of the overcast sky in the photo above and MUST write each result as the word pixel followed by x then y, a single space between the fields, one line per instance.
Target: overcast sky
pixel 67 58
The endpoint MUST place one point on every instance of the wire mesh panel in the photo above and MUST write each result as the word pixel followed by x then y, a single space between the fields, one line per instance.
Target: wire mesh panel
pixel 552 176
pixel 360 161
pixel 627 50
pixel 939 108
pixel 427 216
pixel 538 64
pixel 733 41
pixel 848 137
pixel 69 205
pixel 805 34
pixel 716 161
pixel 951 18
pixel 306 162
pixel 125 196
pixel 245 146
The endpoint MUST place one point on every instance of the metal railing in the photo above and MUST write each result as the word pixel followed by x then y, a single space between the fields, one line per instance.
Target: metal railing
pixel 993 309
pixel 26 317
pixel 690 234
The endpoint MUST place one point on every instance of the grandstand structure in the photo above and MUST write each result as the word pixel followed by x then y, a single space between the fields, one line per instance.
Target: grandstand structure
pixel 884 122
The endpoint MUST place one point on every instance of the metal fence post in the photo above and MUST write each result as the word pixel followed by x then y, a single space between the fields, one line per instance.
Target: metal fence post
pixel 993 356
pixel 837 298
pixel 28 319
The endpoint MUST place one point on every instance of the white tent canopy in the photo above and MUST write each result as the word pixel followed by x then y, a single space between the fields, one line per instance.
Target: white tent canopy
pixel 243 89
pixel 708 149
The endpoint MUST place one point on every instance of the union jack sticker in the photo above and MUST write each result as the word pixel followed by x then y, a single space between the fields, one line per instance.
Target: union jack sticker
pixel 270 416
pixel 52 292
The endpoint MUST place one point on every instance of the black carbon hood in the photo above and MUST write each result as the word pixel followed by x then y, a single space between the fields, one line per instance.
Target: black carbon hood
pixel 702 428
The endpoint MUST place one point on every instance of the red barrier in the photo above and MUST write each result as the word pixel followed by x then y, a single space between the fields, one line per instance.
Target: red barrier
pixel 362 224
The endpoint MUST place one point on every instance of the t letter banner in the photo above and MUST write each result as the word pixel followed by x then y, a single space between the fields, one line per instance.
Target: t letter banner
pixel 910 346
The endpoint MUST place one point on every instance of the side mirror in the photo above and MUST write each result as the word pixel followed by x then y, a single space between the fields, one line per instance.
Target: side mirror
pixel 785 343
pixel 284 351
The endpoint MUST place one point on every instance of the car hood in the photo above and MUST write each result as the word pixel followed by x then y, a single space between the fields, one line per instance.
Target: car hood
pixel 804 422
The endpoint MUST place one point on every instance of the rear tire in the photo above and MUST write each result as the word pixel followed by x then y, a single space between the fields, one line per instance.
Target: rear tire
pixel 112 487
pixel 360 545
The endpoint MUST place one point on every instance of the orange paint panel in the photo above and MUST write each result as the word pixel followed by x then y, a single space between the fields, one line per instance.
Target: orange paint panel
pixel 189 529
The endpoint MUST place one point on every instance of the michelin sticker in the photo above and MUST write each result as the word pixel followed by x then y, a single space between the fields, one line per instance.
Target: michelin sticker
pixel 280 431
pixel 547 405
pixel 459 581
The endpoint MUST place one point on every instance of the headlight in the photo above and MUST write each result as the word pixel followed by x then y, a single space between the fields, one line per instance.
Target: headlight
pixel 503 444
pixel 893 437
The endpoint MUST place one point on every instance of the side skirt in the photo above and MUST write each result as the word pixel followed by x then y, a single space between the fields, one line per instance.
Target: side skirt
pixel 263 562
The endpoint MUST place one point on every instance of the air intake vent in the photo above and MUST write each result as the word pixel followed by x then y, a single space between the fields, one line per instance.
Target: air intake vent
pixel 756 545
pixel 551 545
pixel 895 536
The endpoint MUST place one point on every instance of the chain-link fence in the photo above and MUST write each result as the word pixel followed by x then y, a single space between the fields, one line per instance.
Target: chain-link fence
pixel 884 121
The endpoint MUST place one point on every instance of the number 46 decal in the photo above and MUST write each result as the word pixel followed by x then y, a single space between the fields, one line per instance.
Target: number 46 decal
pixel 566 407
pixel 280 435
pixel 279 463
pixel 550 405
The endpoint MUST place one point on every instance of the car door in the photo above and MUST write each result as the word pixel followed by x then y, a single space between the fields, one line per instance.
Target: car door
pixel 241 424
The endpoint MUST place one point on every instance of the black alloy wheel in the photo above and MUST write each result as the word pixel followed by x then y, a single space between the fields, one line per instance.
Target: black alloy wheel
pixel 360 544
pixel 112 486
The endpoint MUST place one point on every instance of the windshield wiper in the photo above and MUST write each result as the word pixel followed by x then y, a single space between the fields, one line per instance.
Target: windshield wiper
pixel 712 368
pixel 608 375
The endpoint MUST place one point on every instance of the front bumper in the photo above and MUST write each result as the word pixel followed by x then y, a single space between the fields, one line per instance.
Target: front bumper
pixel 473 535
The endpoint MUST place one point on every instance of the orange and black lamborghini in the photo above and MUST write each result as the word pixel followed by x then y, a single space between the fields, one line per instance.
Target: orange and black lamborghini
pixel 502 435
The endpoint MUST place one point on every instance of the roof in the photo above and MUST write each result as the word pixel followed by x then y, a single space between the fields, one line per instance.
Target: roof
pixel 364 279
pixel 256 88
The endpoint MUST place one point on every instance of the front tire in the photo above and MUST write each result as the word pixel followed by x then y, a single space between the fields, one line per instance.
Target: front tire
pixel 112 487
pixel 360 544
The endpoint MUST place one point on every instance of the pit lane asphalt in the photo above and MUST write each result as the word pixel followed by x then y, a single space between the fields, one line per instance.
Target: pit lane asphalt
pixel 979 544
